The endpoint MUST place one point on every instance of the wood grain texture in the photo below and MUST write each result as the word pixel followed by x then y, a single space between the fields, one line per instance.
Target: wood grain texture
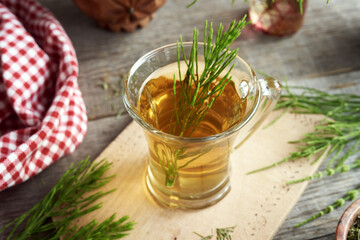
pixel 325 45
pixel 324 54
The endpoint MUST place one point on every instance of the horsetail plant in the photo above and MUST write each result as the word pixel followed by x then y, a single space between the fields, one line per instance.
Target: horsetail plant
pixel 339 130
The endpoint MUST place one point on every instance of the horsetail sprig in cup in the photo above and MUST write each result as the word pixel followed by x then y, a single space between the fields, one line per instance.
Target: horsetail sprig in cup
pixel 198 91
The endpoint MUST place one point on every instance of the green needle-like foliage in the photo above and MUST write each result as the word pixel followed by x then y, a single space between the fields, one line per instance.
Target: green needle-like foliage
pixel 224 233
pixel 328 172
pixel 350 196
pixel 199 90
pixel 339 129
pixel 329 137
pixel 221 234
pixel 66 202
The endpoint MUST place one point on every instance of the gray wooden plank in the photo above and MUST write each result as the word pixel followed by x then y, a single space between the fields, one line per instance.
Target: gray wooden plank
pixel 323 192
pixel 319 193
pixel 327 43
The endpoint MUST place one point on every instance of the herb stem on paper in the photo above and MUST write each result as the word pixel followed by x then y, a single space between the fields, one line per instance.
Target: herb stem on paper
pixel 66 202
pixel 221 234
pixel 339 130
pixel 340 126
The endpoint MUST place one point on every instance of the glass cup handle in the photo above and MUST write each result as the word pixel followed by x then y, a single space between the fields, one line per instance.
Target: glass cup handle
pixel 270 89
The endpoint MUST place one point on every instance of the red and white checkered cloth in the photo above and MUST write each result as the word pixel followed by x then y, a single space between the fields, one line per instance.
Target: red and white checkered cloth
pixel 42 113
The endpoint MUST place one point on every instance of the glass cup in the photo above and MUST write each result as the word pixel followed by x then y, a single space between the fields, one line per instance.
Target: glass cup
pixel 194 172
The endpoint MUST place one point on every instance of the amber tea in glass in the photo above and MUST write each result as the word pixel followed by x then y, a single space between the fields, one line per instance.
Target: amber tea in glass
pixel 191 170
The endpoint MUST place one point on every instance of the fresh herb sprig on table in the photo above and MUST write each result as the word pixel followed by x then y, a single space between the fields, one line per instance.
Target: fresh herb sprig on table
pixel 198 91
pixel 340 128
pixel 66 202
pixel 221 234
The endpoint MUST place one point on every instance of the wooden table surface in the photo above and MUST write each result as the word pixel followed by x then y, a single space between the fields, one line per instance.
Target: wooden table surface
pixel 324 54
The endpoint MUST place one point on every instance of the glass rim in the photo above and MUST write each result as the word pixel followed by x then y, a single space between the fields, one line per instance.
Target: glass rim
pixel 168 136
